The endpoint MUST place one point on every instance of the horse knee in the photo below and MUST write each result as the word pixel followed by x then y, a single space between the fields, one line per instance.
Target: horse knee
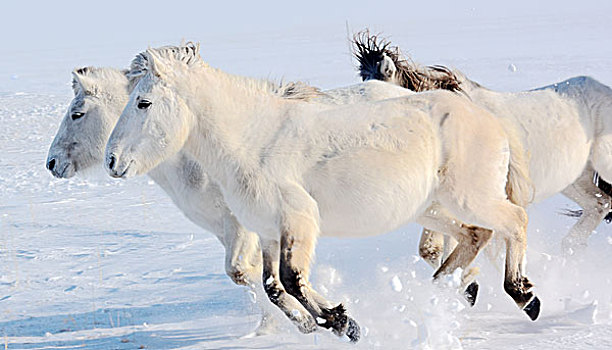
pixel 430 252
pixel 514 224
pixel 243 272
pixel 603 204
pixel 431 247
pixel 238 274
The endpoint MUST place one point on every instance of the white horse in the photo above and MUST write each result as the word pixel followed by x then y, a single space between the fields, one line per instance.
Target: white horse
pixel 100 94
pixel 565 128
pixel 293 169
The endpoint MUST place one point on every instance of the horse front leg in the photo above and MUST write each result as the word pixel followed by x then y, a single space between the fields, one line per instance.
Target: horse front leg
pixel 242 253
pixel 596 205
pixel 297 250
pixel 510 221
pixel 243 264
pixel 276 292
pixel 299 231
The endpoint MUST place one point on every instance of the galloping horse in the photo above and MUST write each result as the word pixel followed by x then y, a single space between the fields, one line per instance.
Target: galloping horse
pixel 291 170
pixel 566 130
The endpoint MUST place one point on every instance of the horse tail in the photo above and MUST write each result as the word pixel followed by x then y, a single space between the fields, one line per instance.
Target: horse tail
pixel 519 187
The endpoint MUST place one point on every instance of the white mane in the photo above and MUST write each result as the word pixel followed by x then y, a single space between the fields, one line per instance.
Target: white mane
pixel 95 80
pixel 189 55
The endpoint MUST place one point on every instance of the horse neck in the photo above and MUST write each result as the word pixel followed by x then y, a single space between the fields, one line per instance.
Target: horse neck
pixel 466 84
pixel 233 121
pixel 599 104
pixel 164 172
pixel 592 98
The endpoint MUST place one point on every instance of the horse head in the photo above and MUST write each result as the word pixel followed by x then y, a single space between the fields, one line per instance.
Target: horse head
pixel 99 96
pixel 375 57
pixel 381 61
pixel 146 134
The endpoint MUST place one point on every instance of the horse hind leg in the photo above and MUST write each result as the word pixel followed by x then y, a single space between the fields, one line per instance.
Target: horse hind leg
pixel 596 204
pixel 299 228
pixel 474 190
pixel 243 264
pixel 510 221
pixel 487 206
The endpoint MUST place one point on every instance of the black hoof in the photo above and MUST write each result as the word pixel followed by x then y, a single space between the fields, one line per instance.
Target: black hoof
pixel 533 309
pixel 471 292
pixel 353 331
pixel 336 319
pixel 340 323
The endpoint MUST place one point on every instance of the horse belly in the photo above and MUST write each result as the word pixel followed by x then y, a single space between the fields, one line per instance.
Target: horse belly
pixel 371 192
pixel 559 153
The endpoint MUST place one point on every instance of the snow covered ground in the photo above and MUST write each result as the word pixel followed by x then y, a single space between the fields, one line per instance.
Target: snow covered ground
pixel 103 264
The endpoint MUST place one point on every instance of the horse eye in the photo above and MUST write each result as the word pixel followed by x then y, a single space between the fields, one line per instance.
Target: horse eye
pixel 144 104
pixel 77 115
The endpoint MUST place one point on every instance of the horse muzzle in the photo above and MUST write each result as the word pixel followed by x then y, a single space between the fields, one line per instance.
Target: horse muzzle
pixel 117 167
pixel 59 169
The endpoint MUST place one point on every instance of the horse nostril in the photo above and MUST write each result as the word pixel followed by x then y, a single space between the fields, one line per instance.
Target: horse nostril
pixel 51 164
pixel 111 162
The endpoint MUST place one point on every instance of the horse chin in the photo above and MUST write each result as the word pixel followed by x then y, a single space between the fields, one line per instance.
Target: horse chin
pixel 123 169
pixel 65 171
pixel 132 170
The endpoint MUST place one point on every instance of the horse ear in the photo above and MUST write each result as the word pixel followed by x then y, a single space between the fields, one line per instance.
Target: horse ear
pixel 387 68
pixel 81 82
pixel 157 66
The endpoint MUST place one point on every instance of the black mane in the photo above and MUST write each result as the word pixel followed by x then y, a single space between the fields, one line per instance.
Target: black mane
pixel 369 50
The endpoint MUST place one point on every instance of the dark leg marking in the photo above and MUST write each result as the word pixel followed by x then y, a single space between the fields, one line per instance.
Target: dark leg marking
pixel 519 290
pixel 278 297
pixel 292 308
pixel 295 284
pixel 607 189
